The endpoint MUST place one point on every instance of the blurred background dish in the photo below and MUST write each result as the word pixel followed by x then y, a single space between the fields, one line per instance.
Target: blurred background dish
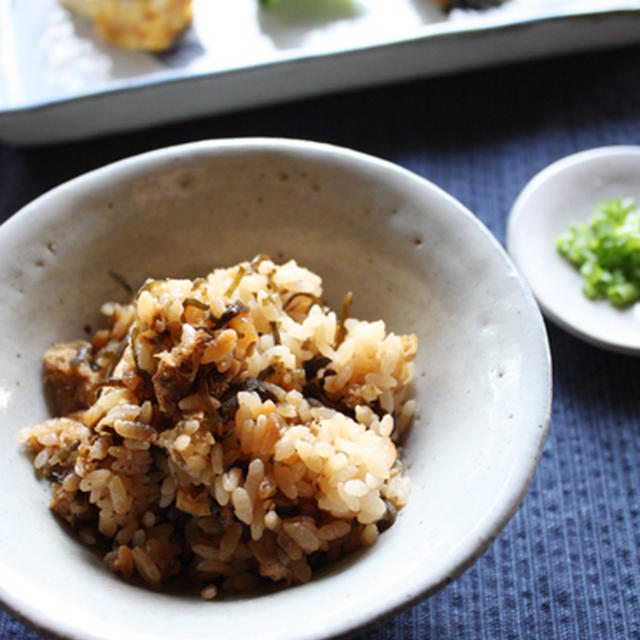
pixel 60 82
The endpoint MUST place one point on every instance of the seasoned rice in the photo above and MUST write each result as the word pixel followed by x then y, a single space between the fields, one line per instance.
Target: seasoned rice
pixel 230 429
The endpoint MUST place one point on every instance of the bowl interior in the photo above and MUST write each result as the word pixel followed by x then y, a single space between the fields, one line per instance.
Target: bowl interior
pixel 412 256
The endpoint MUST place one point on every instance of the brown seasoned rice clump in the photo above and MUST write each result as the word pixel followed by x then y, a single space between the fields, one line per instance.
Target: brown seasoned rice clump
pixel 229 428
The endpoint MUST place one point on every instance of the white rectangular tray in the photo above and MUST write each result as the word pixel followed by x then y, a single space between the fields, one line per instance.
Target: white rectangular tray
pixel 58 82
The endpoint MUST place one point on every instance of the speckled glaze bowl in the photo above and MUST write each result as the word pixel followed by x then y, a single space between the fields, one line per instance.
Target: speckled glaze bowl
pixel 411 254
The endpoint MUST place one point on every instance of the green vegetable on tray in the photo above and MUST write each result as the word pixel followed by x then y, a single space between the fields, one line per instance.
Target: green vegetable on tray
pixel 606 250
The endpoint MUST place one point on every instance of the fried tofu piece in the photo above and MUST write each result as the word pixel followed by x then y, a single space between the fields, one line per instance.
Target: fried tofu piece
pixel 151 25
pixel 68 370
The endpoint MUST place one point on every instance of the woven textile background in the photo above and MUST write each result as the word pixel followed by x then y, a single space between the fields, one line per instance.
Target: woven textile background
pixel 567 565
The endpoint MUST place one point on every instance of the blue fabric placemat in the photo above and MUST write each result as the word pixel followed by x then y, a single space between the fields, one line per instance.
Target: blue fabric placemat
pixel 567 565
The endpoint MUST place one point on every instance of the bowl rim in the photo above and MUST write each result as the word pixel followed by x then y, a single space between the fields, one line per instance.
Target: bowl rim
pixel 519 481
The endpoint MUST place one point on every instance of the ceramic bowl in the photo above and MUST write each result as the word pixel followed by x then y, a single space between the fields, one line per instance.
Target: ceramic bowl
pixel 410 253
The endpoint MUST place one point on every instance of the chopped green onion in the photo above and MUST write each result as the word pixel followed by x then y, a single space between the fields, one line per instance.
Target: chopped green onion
pixel 303 294
pixel 194 302
pixel 81 355
pixel 606 250
pixel 255 263
pixel 341 331
pixel 122 281
pixel 235 282
pixel 275 332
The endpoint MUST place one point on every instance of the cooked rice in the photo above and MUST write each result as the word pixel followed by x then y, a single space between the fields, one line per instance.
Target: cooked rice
pixel 231 428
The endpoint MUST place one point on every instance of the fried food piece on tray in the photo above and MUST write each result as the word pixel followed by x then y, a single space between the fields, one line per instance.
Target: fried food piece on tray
pixel 151 25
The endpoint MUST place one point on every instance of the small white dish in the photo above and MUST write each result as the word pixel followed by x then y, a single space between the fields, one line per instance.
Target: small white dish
pixel 568 191
pixel 410 253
